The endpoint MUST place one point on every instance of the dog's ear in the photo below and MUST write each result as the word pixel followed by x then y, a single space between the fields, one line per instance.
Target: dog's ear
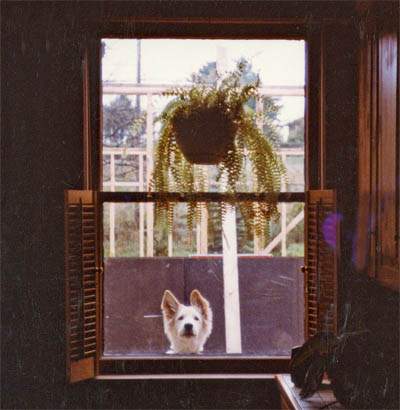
pixel 197 300
pixel 169 304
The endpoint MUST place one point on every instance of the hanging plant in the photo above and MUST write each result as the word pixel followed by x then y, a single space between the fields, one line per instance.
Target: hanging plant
pixel 210 125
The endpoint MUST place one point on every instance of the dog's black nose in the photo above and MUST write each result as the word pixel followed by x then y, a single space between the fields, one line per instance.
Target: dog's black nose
pixel 188 327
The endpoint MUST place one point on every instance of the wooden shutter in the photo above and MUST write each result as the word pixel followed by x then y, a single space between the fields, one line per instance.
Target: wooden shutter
pixel 82 284
pixel 322 248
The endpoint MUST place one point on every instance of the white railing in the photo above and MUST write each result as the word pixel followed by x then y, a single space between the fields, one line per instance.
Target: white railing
pixel 145 155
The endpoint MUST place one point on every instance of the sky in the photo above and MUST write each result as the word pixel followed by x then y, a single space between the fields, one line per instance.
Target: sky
pixel 172 61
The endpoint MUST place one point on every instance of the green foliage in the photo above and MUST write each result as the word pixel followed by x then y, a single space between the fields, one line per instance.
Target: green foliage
pixel 295 249
pixel 296 133
pixel 118 117
pixel 208 75
pixel 126 230
pixel 250 153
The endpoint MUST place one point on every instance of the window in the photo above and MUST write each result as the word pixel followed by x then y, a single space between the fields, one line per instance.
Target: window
pixel 124 262
pixel 270 319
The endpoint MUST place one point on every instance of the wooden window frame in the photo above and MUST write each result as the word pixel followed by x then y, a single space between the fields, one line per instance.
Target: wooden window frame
pixel 226 366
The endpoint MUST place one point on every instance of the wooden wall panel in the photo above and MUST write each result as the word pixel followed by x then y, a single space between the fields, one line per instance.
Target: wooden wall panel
pixel 388 188
pixel 378 252
pixel 365 154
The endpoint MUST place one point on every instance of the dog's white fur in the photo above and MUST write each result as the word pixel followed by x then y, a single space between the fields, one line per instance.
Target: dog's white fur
pixel 187 327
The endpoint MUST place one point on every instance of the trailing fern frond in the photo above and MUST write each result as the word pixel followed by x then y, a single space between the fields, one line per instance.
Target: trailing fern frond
pixel 215 108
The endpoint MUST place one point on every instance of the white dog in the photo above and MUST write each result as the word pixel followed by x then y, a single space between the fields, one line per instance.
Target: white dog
pixel 187 327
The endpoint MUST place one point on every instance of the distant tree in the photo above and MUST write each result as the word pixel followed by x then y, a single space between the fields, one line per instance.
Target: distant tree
pixel 118 124
pixel 208 75
pixel 296 133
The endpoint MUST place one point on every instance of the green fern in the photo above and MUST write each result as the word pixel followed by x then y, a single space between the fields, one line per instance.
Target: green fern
pixel 173 173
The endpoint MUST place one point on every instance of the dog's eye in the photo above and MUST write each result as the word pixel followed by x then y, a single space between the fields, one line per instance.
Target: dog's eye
pixel 196 318
pixel 180 318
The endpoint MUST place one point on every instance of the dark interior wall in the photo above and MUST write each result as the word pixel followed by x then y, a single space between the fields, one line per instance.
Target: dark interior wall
pixel 340 84
pixel 41 148
pixel 41 157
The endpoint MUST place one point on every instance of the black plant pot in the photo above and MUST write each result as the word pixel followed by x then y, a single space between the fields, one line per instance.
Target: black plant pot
pixel 361 378
pixel 205 136
pixel 298 373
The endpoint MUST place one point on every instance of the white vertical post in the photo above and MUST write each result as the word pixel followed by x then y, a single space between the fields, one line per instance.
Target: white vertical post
pixel 112 230
pixel 141 207
pixel 284 228
pixel 170 249
pixel 198 238
pixel 202 224
pixel 204 216
pixel 260 125
pixel 233 337
pixel 284 214
pixel 150 167
pixel 204 230
pixel 256 238
pixel 112 206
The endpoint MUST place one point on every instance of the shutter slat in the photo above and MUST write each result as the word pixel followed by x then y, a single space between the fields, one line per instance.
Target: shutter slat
pixel 81 283
pixel 321 262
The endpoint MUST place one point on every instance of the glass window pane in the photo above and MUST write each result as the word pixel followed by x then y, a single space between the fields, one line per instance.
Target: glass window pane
pixel 270 286
pixel 143 258
pixel 133 85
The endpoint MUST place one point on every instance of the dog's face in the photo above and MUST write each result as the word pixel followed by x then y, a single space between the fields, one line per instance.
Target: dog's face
pixel 187 320
pixel 187 327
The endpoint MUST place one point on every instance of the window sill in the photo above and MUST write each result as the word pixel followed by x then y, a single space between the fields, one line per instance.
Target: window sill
pixel 189 367
pixel 193 376
pixel 290 397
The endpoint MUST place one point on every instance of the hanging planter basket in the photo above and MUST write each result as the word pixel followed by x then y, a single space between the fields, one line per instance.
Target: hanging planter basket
pixel 209 125
pixel 205 136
